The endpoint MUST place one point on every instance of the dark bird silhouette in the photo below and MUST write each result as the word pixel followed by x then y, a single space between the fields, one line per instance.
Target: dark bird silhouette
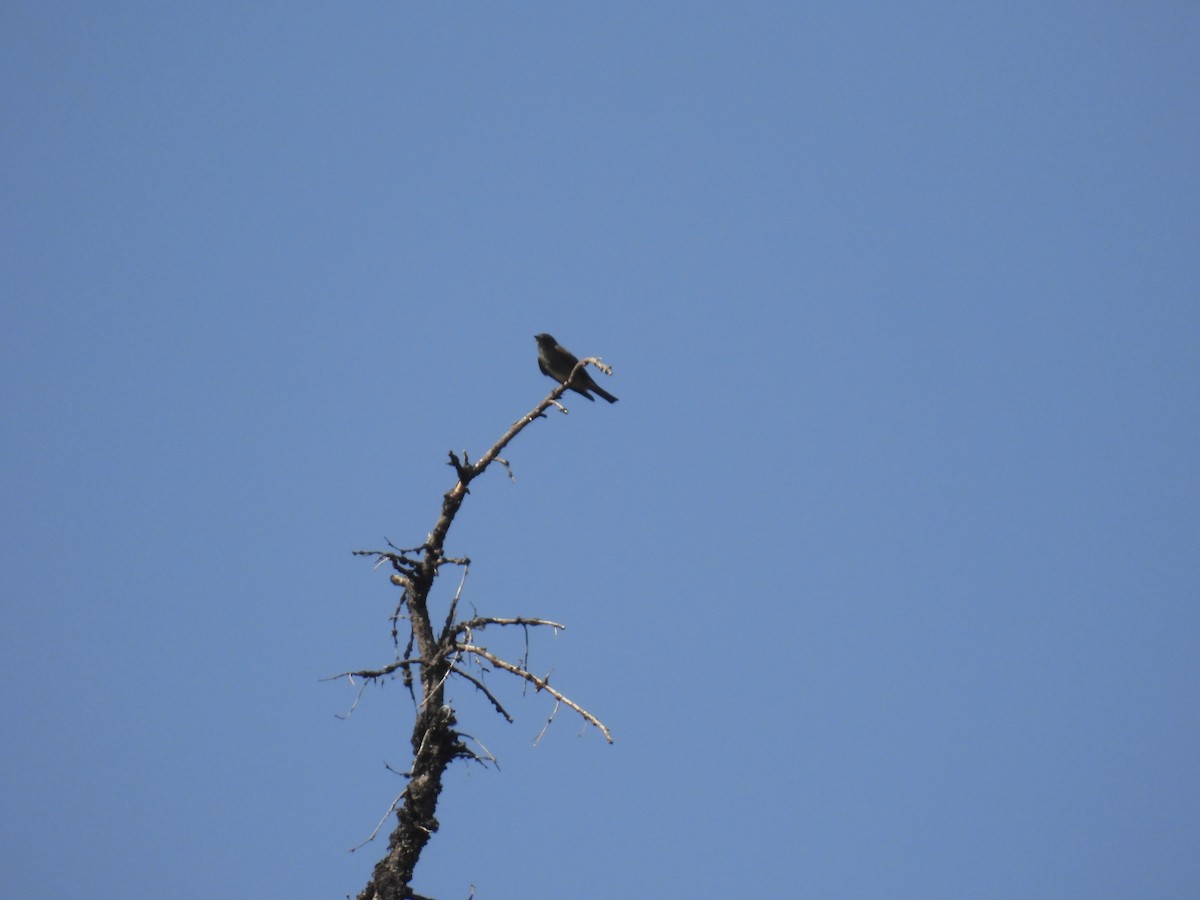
pixel 557 362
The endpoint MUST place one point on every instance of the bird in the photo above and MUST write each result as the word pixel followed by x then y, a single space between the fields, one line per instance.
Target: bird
pixel 557 361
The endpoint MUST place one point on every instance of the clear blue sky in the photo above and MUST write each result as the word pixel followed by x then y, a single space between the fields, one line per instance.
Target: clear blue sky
pixel 884 571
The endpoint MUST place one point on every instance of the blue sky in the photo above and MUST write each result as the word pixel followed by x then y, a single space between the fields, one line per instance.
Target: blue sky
pixel 884 571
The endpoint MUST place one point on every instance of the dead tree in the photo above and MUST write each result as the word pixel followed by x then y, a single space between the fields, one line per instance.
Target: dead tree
pixel 450 651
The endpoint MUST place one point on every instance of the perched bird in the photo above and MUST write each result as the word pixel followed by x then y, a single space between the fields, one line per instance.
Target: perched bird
pixel 557 362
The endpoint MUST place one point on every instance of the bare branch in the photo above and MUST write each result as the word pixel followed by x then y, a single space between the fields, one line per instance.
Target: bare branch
pixel 482 687
pixel 378 673
pixel 591 361
pixel 372 836
pixel 447 628
pixel 357 697
pixel 487 758
pixel 540 683
pixel 462 468
pixel 483 621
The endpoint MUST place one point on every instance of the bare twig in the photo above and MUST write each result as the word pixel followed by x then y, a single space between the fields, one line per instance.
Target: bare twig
pixel 549 719
pixel 507 468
